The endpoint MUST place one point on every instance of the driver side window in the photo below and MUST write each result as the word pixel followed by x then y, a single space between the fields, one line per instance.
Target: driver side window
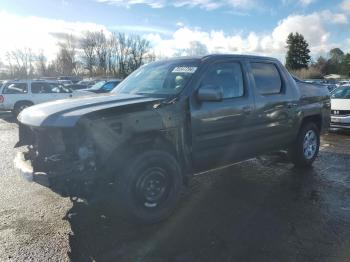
pixel 228 76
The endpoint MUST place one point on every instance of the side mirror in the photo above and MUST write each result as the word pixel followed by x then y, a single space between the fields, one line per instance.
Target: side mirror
pixel 210 93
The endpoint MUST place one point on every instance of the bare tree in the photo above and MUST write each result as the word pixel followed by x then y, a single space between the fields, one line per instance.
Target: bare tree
pixel 41 67
pixel 196 48
pixel 123 46
pixel 66 57
pixel 88 46
pixel 112 46
pixel 20 62
pixel 138 49
pixel 10 64
pixel 101 50
pixel 115 55
pixel 51 69
pixel 130 53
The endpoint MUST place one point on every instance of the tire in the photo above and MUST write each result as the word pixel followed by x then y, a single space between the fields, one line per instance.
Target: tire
pixel 20 106
pixel 149 187
pixel 306 147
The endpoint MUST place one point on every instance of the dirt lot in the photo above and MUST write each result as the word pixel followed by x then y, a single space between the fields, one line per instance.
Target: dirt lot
pixel 260 210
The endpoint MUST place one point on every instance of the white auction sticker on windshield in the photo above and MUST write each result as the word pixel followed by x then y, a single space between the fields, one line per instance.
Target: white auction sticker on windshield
pixel 185 69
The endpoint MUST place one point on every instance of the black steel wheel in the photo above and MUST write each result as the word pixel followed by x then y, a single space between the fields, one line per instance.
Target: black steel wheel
pixel 149 186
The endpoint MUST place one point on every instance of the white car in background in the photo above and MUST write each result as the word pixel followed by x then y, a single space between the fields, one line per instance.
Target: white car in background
pixel 19 94
pixel 340 110
pixel 65 82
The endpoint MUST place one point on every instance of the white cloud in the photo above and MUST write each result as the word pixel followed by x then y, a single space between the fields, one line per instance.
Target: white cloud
pixel 306 2
pixel 204 4
pixel 38 33
pixel 128 3
pixel 312 26
pixel 334 18
pixel 43 33
pixel 345 5
pixel 141 28
pixel 303 3
pixel 180 24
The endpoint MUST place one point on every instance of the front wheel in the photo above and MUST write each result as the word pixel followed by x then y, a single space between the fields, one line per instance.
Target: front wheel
pixel 150 186
pixel 305 150
pixel 20 106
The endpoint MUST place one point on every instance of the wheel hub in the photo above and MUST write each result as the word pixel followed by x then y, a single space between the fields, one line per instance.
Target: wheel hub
pixel 310 144
pixel 152 187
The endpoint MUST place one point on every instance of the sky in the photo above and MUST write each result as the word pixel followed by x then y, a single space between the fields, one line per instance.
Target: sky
pixel 221 26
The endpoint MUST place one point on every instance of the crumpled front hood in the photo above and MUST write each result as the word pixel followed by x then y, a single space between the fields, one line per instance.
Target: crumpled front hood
pixel 67 112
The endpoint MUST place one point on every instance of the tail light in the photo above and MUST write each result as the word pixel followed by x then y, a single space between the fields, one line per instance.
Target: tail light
pixel 1 99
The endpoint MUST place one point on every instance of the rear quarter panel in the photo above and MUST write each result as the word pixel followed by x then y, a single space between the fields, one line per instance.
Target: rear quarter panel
pixel 315 100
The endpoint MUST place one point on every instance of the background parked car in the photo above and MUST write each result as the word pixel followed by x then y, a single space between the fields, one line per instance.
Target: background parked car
pixel 17 95
pixel 74 79
pixel 65 82
pixel 77 86
pixel 89 83
pixel 104 87
pixel 340 110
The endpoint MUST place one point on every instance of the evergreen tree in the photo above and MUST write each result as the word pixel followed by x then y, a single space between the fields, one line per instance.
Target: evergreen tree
pixel 336 61
pixel 336 55
pixel 298 55
pixel 345 65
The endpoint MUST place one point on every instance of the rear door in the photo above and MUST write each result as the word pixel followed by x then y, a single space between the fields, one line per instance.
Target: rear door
pixel 14 92
pixel 221 131
pixel 276 105
pixel 48 91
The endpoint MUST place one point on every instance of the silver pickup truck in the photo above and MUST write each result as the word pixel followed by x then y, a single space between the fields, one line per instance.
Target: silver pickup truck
pixel 169 120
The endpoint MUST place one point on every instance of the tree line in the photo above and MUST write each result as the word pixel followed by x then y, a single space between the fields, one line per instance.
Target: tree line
pixel 98 54
pixel 299 62
pixel 94 54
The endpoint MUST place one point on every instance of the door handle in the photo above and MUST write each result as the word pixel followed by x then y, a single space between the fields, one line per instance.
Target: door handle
pixel 247 110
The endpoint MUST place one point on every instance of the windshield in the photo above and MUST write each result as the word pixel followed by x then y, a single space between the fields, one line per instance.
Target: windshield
pixel 166 78
pixel 341 93
pixel 110 85
pixel 98 85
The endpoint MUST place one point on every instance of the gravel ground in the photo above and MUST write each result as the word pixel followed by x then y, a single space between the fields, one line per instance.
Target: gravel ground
pixel 259 210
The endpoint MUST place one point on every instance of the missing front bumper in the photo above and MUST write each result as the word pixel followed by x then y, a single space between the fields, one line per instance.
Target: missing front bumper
pixel 25 169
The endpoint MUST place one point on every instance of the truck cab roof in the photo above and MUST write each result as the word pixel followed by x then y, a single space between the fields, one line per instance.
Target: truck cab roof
pixel 223 56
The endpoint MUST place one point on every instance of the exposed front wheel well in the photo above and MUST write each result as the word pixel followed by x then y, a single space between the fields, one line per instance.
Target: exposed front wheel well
pixel 20 105
pixel 135 146
pixel 316 119
pixel 21 102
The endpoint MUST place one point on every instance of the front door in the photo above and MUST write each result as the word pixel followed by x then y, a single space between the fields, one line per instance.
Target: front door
pixel 221 130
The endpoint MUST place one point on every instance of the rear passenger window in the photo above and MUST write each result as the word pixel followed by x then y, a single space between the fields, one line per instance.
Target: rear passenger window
pixel 47 88
pixel 267 78
pixel 228 76
pixel 38 88
pixel 15 88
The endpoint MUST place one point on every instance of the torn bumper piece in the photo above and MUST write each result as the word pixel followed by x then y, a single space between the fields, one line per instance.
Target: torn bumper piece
pixel 25 169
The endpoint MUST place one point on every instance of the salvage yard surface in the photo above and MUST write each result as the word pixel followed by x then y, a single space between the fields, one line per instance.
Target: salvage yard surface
pixel 259 210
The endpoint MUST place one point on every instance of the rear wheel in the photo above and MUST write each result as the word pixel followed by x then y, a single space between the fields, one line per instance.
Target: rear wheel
pixel 20 106
pixel 150 186
pixel 305 150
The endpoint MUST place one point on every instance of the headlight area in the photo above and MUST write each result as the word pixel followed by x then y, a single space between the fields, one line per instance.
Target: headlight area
pixel 66 157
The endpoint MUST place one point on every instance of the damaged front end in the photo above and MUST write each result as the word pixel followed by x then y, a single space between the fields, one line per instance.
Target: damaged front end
pixel 63 159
